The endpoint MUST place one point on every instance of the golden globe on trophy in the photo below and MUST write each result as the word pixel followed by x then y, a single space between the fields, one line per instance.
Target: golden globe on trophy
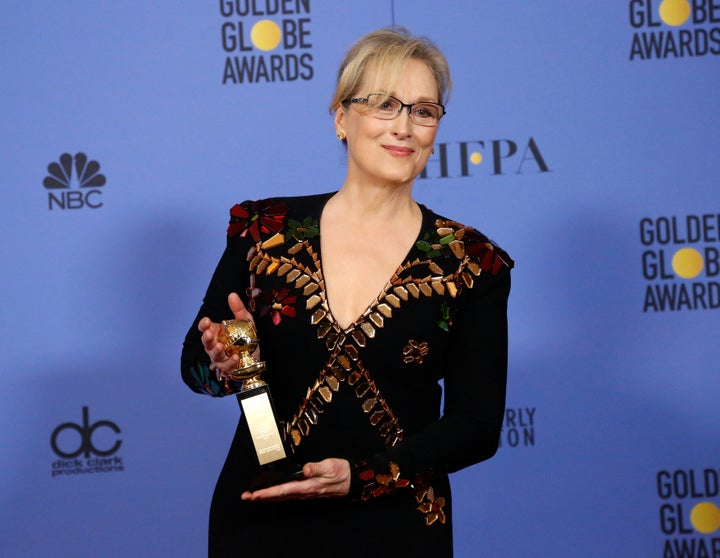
pixel 240 337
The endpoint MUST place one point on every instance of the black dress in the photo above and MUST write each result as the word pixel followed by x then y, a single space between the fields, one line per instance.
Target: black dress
pixel 369 393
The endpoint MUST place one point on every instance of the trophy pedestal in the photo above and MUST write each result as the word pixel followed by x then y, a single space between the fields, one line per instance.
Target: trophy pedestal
pixel 240 337
pixel 275 466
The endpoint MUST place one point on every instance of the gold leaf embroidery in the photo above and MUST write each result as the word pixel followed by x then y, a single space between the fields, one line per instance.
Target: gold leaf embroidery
pixel 385 310
pixel 276 240
pixel 401 292
pixel 376 319
pixel 318 315
pixel 312 302
pixel 359 337
pixel 368 329
pixel 310 288
pixel 393 300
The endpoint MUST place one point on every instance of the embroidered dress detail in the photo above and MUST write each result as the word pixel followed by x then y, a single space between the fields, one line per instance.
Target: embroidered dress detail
pixel 285 288
pixel 302 272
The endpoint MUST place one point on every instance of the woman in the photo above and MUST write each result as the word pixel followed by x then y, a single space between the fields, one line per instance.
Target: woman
pixel 363 300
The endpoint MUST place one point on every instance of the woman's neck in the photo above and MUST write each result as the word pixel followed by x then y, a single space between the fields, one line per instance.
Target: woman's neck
pixel 376 202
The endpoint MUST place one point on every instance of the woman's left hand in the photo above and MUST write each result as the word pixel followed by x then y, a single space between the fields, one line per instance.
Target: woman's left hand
pixel 329 478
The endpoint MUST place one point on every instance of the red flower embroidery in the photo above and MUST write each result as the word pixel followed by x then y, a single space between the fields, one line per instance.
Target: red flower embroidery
pixel 466 241
pixel 257 218
pixel 278 304
pixel 489 256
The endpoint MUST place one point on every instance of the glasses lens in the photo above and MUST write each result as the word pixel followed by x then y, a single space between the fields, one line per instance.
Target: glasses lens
pixel 426 114
pixel 387 108
pixel 383 106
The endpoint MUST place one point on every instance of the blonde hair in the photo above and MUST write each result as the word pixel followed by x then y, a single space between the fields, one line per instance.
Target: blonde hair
pixel 385 51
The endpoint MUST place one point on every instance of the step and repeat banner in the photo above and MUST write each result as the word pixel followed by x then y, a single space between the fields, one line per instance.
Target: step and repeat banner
pixel 582 137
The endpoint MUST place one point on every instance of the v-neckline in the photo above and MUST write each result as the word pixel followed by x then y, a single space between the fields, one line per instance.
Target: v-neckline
pixel 388 283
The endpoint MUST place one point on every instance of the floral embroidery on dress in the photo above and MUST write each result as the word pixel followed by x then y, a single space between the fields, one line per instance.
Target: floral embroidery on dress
pixel 278 304
pixel 452 255
pixel 431 507
pixel 259 219
pixel 467 242
pixel 301 230
pixel 377 484
pixel 445 320
pixel 433 246
pixel 489 255
pixel 414 352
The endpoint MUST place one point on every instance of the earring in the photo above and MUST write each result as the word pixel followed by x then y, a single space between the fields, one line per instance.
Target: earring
pixel 340 135
pixel 432 151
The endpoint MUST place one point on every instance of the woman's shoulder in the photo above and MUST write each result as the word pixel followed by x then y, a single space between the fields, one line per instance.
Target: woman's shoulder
pixel 464 242
pixel 261 217
pixel 277 203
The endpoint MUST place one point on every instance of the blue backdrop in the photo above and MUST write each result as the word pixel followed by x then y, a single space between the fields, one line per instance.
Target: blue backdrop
pixel 582 137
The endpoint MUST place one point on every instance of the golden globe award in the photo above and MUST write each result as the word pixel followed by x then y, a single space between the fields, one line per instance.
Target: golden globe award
pixel 240 337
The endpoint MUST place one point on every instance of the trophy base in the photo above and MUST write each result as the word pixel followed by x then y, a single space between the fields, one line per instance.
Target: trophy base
pixel 276 473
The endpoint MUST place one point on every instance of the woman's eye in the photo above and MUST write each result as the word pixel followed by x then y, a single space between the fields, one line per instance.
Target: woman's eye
pixel 426 112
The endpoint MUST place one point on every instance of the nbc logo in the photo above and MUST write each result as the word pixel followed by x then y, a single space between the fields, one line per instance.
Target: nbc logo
pixel 73 181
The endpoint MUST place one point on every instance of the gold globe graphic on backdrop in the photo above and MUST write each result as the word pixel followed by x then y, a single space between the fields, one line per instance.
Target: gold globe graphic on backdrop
pixel 265 35
pixel 705 517
pixel 687 263
pixel 674 12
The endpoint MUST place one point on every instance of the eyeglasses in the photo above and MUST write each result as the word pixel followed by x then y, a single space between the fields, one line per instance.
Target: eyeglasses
pixel 387 107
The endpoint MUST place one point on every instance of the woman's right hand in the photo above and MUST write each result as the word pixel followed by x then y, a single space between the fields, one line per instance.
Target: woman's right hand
pixel 219 360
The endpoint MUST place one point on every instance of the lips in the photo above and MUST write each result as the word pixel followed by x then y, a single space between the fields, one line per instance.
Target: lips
pixel 397 151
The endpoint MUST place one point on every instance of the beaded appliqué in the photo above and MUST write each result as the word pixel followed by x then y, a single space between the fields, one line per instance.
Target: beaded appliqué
pixel 431 507
pixel 300 267
pixel 378 484
pixel 414 352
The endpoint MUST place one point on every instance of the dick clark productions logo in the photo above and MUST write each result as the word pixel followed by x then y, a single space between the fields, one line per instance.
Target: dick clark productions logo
pixel 87 447
pixel 74 182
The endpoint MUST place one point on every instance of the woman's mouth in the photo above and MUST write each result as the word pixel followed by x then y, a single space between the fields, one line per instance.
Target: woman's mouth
pixel 398 151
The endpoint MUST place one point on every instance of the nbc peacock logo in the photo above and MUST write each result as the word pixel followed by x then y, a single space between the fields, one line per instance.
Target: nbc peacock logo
pixel 74 182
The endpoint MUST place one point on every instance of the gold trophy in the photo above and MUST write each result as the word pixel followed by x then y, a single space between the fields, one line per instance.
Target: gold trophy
pixel 240 337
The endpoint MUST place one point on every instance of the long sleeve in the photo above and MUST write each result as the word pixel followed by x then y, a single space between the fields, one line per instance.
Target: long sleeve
pixel 230 276
pixel 474 397
pixel 369 393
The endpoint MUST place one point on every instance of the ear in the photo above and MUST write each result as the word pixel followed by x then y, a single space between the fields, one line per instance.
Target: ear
pixel 339 118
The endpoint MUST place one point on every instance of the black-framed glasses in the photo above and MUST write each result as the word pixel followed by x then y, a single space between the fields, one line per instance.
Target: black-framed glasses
pixel 387 107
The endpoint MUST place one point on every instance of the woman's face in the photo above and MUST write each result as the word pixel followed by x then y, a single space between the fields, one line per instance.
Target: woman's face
pixel 389 152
